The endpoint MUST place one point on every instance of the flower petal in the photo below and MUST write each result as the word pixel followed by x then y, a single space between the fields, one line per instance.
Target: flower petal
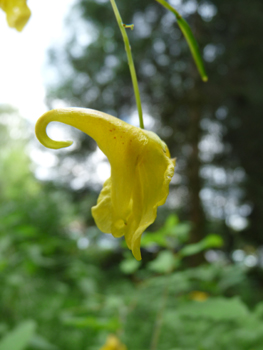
pixel 17 13
pixel 113 343
pixel 102 212
pixel 153 175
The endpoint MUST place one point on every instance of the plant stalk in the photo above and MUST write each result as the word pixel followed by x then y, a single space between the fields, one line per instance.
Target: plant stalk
pixel 130 61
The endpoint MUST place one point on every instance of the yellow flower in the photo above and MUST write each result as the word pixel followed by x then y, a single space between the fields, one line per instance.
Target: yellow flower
pixel 141 170
pixel 113 343
pixel 17 13
pixel 197 295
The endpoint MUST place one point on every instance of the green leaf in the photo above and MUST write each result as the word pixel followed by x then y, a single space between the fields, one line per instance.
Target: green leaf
pixel 215 308
pixel 210 241
pixel 187 32
pixel 259 310
pixel 171 228
pixel 192 43
pixel 40 343
pixel 165 262
pixel 171 221
pixel 20 337
pixel 97 324
pixel 191 249
pixel 129 266
pixel 181 231
pixel 153 238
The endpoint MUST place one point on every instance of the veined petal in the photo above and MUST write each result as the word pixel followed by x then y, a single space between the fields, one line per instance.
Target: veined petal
pixel 154 172
pixel 102 212
pixel 141 169
pixel 17 13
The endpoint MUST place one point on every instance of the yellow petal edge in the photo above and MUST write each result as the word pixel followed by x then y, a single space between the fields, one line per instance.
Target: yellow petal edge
pixel 17 13
pixel 113 343
pixel 141 170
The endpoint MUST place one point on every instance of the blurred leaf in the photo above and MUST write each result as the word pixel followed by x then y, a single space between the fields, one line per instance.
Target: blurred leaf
pixel 231 276
pixel 171 228
pixel 210 241
pixel 129 266
pixel 213 241
pixel 27 230
pixel 181 231
pixel 40 343
pixel 259 310
pixel 3 328
pixel 171 221
pixel 87 285
pixel 35 253
pixel 93 323
pixel 20 337
pixel 177 282
pixel 165 262
pixel 191 249
pixel 215 308
pixel 174 228
pixel 157 238
pixel 5 243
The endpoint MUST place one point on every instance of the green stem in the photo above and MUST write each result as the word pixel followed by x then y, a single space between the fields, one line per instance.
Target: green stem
pixel 130 61
pixel 159 320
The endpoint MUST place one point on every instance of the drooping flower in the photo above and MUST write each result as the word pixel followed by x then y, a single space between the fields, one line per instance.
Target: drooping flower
pixel 113 343
pixel 17 13
pixel 141 170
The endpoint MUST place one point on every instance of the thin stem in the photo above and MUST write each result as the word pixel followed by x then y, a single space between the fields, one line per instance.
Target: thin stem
pixel 130 61
pixel 159 320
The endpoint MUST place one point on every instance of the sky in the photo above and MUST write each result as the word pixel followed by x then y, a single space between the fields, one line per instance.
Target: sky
pixel 23 67
pixel 24 55
pixel 23 71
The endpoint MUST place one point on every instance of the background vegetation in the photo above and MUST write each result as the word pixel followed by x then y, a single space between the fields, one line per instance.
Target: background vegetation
pixel 64 285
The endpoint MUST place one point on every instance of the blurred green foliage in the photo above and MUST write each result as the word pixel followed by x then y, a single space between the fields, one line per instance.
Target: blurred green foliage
pixel 19 338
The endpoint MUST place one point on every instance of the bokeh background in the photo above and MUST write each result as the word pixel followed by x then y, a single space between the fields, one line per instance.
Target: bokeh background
pixel 64 284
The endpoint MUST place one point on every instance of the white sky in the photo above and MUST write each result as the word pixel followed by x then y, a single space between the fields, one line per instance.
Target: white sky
pixel 23 56
pixel 22 69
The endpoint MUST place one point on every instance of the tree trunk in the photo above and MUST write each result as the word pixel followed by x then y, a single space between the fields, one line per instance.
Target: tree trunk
pixel 196 213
